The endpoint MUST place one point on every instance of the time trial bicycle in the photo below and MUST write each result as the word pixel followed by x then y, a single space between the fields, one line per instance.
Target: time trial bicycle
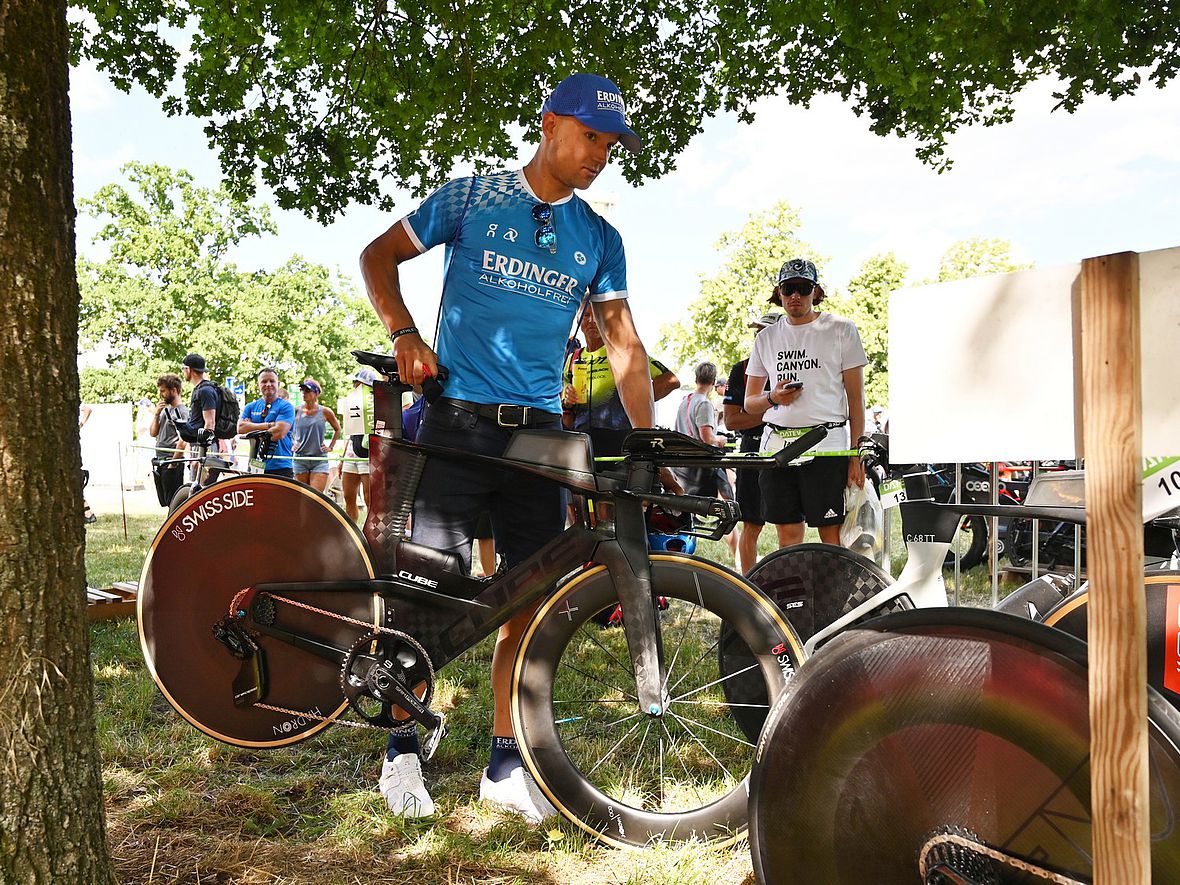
pixel 265 616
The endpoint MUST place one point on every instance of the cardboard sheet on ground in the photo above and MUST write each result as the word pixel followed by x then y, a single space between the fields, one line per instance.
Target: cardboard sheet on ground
pixel 984 369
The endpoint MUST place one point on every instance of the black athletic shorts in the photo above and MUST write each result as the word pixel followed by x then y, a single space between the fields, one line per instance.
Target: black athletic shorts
pixel 811 493
pixel 526 510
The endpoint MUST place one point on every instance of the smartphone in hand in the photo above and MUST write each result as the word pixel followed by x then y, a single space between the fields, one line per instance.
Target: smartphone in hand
pixel 794 385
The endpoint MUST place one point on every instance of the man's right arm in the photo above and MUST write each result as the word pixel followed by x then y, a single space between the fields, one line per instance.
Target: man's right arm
pixel 379 263
pixel 736 417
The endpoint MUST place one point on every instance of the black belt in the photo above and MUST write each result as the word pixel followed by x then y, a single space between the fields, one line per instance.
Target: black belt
pixel 504 414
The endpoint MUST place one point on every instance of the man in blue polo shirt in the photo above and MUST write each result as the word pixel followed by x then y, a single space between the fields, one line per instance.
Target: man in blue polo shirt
pixel 273 414
pixel 522 253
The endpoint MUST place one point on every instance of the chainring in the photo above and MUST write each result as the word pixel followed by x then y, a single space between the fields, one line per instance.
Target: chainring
pixel 373 665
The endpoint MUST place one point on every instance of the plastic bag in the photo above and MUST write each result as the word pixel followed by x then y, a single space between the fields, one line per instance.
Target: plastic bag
pixel 863 531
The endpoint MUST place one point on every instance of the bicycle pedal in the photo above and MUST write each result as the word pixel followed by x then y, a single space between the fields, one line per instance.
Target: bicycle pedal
pixel 434 736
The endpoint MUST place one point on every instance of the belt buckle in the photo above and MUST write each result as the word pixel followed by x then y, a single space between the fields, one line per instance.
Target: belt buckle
pixel 523 415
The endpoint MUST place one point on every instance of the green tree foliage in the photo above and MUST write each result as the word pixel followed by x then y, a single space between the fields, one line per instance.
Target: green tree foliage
pixel 976 257
pixel 168 287
pixel 333 102
pixel 717 325
pixel 867 304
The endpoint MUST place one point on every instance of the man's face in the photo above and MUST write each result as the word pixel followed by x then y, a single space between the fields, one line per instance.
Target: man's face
pixel 578 152
pixel 188 373
pixel 797 296
pixel 167 394
pixel 590 330
pixel 268 386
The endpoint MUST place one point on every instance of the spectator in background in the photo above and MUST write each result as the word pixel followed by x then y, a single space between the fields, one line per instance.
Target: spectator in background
pixel 169 412
pixel 749 430
pixel 310 447
pixel 877 420
pixel 268 412
pixel 358 424
pixel 202 406
pixel 88 516
pixel 589 398
pixel 719 389
pixel 696 417
pixel 814 363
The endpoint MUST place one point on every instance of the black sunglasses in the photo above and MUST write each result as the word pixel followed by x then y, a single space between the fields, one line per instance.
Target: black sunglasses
pixel 546 236
pixel 796 287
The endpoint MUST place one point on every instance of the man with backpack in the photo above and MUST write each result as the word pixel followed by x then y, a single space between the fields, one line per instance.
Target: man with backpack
pixel 213 410
pixel 203 404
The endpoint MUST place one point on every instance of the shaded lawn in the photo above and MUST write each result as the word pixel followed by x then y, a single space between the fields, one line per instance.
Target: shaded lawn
pixel 182 807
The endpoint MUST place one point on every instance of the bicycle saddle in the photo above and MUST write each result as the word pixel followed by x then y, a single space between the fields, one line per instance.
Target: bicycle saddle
pixel 385 363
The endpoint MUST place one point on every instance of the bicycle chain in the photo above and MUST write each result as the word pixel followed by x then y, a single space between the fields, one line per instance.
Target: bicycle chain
pixel 990 853
pixel 234 609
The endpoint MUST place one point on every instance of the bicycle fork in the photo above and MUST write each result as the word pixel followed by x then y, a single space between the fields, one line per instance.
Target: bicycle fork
pixel 626 560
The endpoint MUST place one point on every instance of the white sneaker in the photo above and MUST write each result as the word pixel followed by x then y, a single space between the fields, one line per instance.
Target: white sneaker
pixel 517 793
pixel 402 786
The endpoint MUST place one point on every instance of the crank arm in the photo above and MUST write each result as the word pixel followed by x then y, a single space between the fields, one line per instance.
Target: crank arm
pixel 408 701
pixel 434 737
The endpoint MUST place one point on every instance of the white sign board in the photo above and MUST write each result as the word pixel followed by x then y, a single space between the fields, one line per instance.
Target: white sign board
pixel 984 369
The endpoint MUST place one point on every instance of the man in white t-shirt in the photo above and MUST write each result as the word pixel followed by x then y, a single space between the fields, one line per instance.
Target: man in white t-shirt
pixel 815 364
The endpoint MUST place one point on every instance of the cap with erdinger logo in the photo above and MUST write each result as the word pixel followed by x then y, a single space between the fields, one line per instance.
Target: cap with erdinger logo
pixel 596 102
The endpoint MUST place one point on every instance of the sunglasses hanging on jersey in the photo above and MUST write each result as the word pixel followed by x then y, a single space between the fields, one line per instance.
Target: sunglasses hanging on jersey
pixel 546 236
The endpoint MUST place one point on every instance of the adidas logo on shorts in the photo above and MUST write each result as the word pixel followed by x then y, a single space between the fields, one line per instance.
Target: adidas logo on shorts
pixel 830 514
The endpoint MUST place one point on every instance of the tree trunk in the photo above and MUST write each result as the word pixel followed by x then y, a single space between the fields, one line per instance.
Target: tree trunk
pixel 51 802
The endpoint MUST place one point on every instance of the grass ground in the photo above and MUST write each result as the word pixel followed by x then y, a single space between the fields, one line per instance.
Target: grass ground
pixel 184 808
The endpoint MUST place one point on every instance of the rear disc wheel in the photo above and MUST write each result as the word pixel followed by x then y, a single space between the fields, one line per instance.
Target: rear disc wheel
pixel 236 534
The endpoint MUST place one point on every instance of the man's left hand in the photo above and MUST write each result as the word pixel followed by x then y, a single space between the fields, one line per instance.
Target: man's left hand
pixel 856 472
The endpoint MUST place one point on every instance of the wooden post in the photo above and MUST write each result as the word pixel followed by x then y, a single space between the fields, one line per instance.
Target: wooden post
pixel 1113 437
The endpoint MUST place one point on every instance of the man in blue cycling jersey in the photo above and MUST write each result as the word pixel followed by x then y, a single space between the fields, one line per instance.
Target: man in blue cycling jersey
pixel 273 413
pixel 522 252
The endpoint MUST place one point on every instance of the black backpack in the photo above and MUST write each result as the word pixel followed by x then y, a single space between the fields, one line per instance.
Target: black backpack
pixel 228 411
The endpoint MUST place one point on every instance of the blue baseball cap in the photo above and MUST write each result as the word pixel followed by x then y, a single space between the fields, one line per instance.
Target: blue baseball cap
pixel 596 102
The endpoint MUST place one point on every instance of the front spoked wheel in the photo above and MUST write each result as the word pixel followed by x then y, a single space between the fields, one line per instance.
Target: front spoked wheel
pixel 624 776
